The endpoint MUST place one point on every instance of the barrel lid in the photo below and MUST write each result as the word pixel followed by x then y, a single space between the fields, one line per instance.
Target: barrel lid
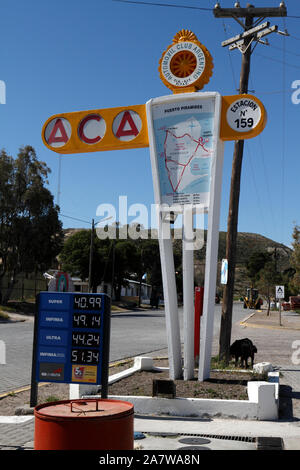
pixel 84 409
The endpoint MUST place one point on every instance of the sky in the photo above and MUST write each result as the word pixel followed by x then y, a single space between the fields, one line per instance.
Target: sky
pixel 64 56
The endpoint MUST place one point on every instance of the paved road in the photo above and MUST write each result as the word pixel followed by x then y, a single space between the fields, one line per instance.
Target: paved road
pixel 140 333
pixel 132 334
pixel 18 338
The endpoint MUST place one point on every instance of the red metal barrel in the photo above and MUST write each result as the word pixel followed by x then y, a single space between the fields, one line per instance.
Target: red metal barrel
pixel 84 424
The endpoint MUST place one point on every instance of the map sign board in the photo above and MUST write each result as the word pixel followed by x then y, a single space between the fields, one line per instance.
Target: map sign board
pixel 183 140
pixel 71 338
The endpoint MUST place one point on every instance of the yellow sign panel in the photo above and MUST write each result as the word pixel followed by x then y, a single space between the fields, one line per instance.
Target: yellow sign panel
pixel 100 129
pixel 242 117
pixel 84 373
pixel 186 65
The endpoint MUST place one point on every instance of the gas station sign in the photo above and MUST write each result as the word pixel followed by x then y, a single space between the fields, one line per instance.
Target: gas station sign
pixel 72 337
pixel 242 117
pixel 186 134
pixel 99 129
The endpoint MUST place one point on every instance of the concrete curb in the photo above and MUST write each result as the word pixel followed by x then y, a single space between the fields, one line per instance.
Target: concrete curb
pixel 262 404
pixel 245 322
pixel 269 327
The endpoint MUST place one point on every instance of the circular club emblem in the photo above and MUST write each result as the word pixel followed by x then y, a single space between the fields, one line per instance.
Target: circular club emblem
pixel 183 64
pixel 186 65
pixel 243 115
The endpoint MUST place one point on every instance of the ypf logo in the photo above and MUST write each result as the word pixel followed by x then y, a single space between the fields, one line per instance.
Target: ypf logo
pixel 78 372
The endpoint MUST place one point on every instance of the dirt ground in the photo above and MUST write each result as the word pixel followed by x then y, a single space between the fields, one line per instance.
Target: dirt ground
pixel 224 385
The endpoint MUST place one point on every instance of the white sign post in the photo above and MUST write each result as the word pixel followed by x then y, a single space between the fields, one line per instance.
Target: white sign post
pixel 207 321
pixel 187 157
pixel 279 296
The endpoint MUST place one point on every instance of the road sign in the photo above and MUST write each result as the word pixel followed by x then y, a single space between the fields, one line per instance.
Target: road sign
pixel 279 292
pixel 72 338
pixel 99 129
pixel 224 271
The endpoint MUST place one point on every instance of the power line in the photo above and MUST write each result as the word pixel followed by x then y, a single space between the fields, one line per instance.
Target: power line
pixel 286 51
pixel 75 218
pixel 230 60
pixel 277 60
pixel 178 6
pixel 294 37
pixel 163 5
pixel 255 187
pixel 266 177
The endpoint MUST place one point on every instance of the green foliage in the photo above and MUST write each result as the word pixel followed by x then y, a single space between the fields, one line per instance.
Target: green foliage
pixel 119 259
pixel 30 231
pixel 255 264
pixel 269 277
pixel 295 261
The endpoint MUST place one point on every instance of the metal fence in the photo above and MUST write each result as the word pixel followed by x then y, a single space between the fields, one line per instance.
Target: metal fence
pixel 26 287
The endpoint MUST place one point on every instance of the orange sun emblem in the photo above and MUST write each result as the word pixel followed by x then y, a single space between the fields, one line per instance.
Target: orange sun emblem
pixel 186 65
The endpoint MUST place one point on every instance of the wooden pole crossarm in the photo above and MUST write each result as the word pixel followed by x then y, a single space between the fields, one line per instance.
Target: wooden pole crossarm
pixel 250 11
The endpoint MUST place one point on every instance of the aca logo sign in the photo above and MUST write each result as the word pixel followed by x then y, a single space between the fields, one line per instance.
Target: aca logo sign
pixel 102 129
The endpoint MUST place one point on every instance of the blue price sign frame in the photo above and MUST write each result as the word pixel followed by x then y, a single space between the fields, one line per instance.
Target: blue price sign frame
pixel 71 339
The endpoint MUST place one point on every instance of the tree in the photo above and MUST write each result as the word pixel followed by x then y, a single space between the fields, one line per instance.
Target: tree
pixel 255 264
pixel 113 260
pixel 75 257
pixel 295 260
pixel 269 277
pixel 30 233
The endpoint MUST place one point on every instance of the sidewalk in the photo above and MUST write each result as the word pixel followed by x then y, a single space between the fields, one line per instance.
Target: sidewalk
pixel 260 319
pixel 166 433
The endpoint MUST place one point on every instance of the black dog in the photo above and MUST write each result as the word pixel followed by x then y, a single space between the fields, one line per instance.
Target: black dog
pixel 243 348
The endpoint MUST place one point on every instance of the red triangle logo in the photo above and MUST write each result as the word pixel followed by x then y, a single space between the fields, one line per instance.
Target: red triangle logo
pixel 127 119
pixel 53 138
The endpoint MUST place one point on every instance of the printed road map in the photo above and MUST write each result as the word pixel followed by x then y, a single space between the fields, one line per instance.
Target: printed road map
pixel 184 144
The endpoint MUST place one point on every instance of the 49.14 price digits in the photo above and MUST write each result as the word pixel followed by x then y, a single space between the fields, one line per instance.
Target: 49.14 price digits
pixel 86 320
pixel 85 356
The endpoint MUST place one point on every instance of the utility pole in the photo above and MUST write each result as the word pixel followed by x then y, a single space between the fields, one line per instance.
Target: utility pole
pixel 253 32
pixel 91 255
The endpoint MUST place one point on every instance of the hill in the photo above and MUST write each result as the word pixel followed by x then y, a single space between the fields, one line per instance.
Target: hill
pixel 247 244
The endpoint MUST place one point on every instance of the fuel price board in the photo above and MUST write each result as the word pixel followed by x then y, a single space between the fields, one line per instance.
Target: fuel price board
pixel 71 342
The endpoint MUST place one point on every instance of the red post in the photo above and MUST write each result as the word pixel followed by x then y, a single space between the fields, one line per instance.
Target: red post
pixel 199 292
